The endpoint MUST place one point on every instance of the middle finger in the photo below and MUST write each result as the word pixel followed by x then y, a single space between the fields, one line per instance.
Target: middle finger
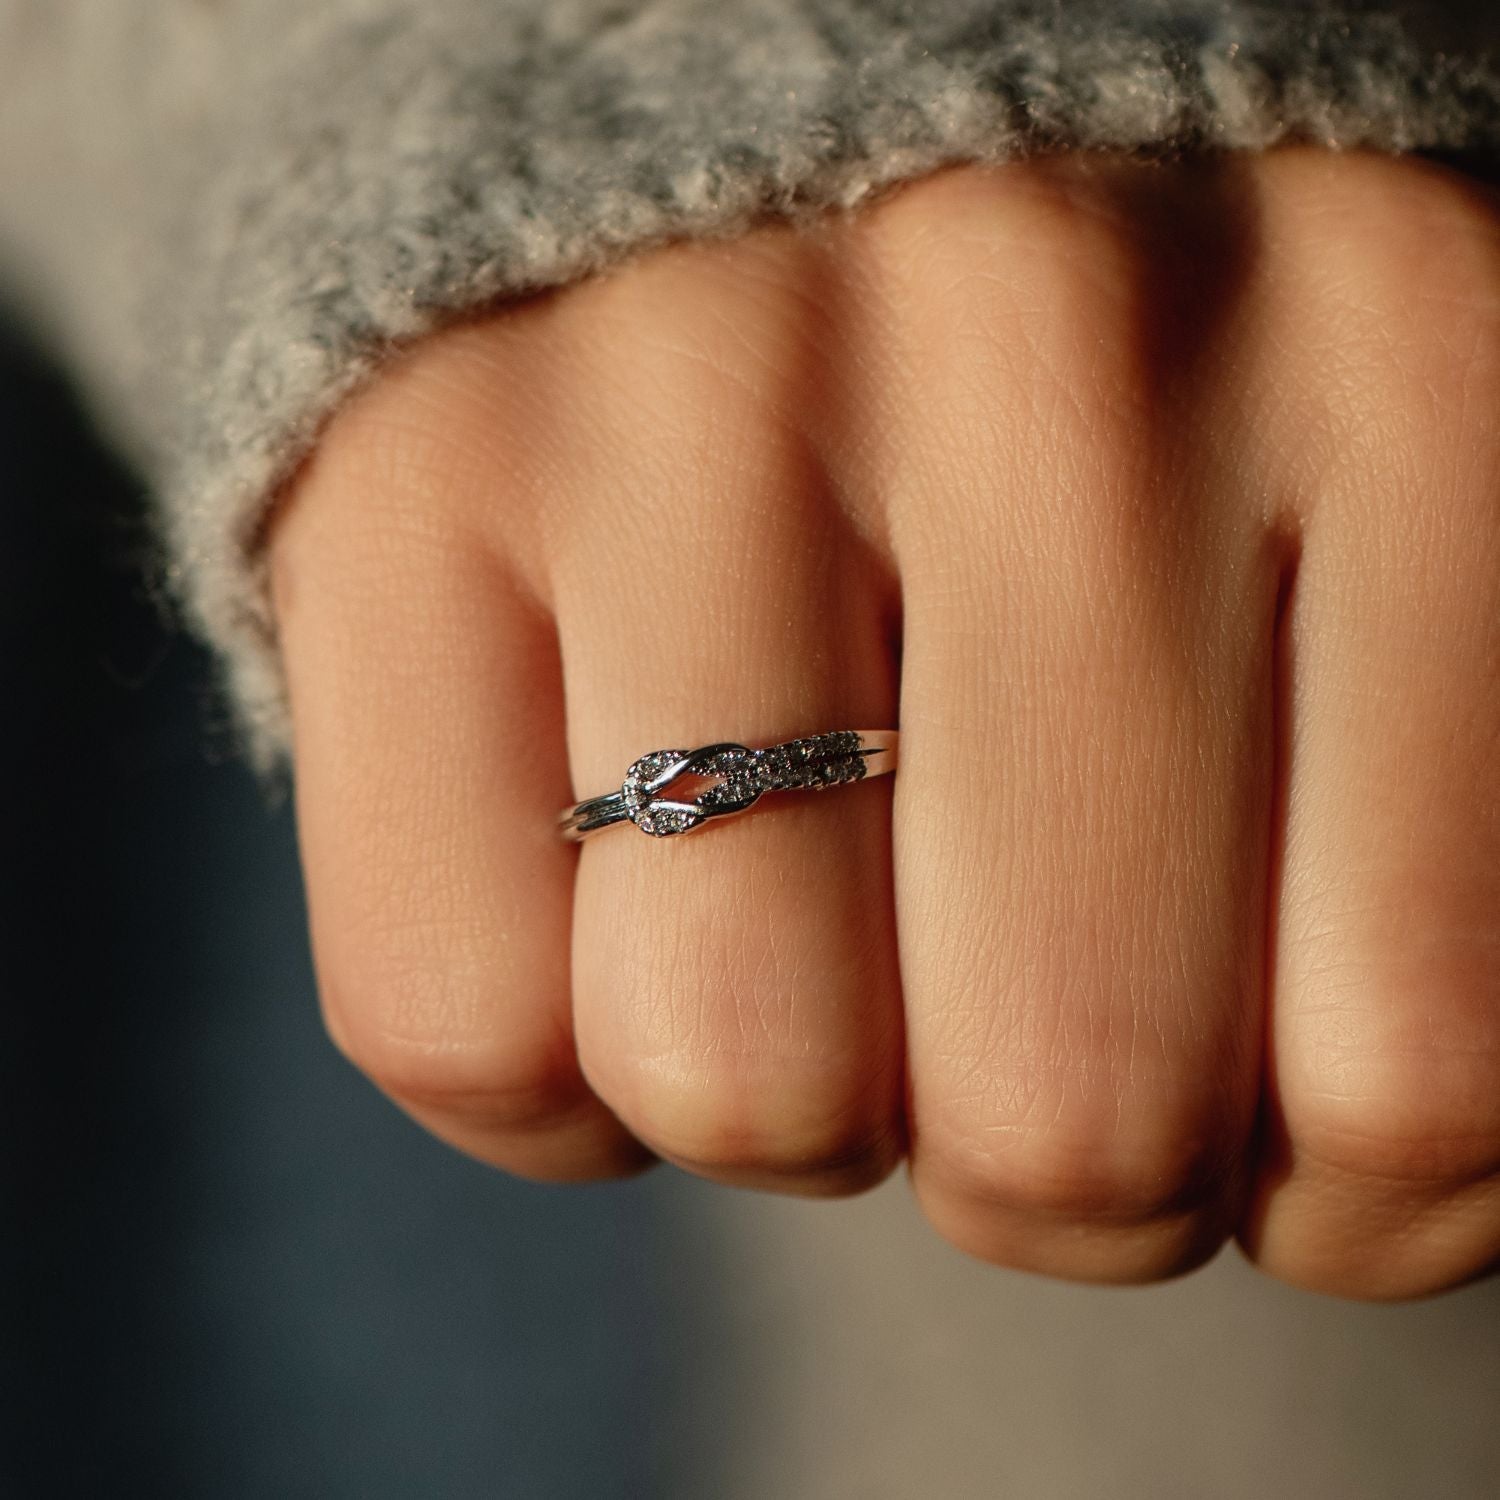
pixel 1082 813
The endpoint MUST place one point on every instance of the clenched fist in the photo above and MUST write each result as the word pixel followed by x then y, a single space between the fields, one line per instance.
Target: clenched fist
pixel 1159 506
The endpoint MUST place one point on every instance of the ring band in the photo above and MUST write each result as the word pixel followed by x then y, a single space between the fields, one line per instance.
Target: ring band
pixel 737 778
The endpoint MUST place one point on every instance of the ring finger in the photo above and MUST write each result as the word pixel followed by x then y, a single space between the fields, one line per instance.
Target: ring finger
pixel 735 991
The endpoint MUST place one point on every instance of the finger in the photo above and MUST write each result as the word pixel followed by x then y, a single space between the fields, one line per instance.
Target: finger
pixel 1081 810
pixel 1383 1178
pixel 1386 1084
pixel 736 990
pixel 429 758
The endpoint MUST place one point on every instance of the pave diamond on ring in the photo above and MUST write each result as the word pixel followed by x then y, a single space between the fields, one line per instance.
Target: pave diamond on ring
pixel 730 778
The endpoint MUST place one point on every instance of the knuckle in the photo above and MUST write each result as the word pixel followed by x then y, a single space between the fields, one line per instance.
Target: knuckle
pixel 732 1121
pixel 456 1066
pixel 1430 1254
pixel 1032 267
pixel 716 335
pixel 1389 1113
pixel 430 437
pixel 1112 1254
pixel 410 458
pixel 1353 245
pixel 719 1050
pixel 1117 1165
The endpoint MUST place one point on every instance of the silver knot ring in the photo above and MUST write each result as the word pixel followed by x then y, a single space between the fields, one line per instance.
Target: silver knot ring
pixel 730 779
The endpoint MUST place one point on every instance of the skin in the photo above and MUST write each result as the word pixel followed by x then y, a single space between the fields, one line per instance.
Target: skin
pixel 1159 506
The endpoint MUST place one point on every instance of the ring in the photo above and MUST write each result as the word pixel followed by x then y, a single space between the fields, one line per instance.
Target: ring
pixel 736 776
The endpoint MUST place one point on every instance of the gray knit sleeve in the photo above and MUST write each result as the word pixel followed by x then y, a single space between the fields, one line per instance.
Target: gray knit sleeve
pixel 227 213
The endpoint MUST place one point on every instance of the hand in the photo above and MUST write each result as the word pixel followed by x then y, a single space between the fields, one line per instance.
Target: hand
pixel 1160 507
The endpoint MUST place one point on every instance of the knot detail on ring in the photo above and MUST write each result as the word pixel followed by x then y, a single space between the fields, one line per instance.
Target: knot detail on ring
pixel 737 778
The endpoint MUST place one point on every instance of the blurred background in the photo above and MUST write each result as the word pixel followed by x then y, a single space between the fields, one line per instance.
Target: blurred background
pixel 230 1269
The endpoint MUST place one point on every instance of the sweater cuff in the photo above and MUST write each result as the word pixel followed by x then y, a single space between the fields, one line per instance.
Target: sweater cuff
pixel 378 171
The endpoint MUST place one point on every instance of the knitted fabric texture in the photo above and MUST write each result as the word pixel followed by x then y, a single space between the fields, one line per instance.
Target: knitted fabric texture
pixel 230 215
